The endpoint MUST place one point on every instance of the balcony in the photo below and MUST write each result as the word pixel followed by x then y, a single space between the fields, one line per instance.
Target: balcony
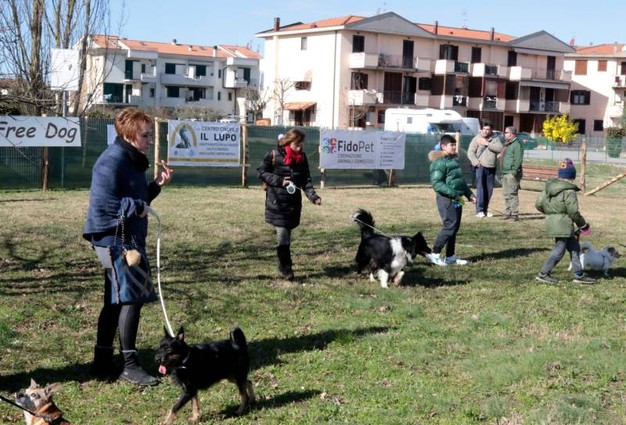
pixel 517 105
pixel 116 99
pixel 444 66
pixel 615 111
pixel 363 97
pixel 550 107
pixel 148 78
pixel 518 73
pixel 485 70
pixel 620 82
pixel 363 60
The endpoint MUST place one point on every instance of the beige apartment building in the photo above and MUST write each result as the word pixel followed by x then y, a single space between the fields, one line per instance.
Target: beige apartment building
pixel 345 72
pixel 122 72
pixel 598 86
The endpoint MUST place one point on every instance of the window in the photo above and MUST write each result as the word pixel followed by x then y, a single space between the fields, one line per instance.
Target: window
pixel 448 52
pixel 623 68
pixel 219 95
pixel 598 125
pixel 303 43
pixel 580 97
pixel 581 125
pixel 170 68
pixel 151 91
pixel 424 83
pixel 602 65
pixel 476 55
pixel 143 68
pixel 580 68
pixel 172 91
pixel 113 92
pixel 200 70
pixel 358 43
pixel 302 85
pixel 358 81
pixel 230 96
pixel 511 58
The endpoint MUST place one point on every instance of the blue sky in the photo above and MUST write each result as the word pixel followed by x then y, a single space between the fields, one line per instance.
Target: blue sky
pixel 209 22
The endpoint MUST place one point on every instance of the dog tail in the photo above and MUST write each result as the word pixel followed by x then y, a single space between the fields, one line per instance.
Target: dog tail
pixel 365 221
pixel 238 338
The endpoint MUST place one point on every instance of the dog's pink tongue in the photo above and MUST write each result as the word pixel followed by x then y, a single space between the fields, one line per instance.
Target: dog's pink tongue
pixel 162 370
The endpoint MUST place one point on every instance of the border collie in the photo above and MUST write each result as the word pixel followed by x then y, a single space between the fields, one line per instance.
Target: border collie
pixel 382 256
pixel 597 259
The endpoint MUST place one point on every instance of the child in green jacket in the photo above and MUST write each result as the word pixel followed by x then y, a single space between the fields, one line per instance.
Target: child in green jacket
pixel 448 182
pixel 559 203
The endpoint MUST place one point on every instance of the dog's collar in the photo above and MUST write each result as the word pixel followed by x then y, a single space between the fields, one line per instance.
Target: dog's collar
pixel 183 364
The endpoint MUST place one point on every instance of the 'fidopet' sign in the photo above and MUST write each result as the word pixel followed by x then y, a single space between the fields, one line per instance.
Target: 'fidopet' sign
pixel 346 149
pixel 22 131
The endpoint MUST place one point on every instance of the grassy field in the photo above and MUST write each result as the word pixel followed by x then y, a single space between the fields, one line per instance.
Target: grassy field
pixel 480 344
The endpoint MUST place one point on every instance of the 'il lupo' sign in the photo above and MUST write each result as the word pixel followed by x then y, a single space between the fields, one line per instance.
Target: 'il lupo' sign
pixel 20 131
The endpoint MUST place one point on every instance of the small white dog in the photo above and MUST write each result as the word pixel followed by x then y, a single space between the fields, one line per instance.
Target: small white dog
pixel 593 259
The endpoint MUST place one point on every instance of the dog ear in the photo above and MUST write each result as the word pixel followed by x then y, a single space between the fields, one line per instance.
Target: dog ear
pixel 181 334
pixel 52 388
pixel 33 384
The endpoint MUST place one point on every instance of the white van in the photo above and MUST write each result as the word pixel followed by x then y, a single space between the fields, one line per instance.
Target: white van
pixel 426 121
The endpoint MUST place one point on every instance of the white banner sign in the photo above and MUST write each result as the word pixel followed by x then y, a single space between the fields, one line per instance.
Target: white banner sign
pixel 197 143
pixel 20 131
pixel 346 149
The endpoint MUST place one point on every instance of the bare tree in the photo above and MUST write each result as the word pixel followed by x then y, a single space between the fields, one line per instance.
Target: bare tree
pixel 29 29
pixel 256 99
pixel 281 87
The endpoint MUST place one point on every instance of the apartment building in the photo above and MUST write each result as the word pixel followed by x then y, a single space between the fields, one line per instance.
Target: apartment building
pixel 345 72
pixel 598 86
pixel 122 72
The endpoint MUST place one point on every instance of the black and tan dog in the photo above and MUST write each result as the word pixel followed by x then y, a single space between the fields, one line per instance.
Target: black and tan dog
pixel 197 367
pixel 38 401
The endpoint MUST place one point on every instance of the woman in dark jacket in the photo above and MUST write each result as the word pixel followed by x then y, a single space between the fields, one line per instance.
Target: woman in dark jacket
pixel 285 171
pixel 120 194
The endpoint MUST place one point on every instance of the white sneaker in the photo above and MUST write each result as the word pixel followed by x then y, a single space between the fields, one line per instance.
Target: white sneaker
pixel 436 259
pixel 488 215
pixel 480 215
pixel 455 260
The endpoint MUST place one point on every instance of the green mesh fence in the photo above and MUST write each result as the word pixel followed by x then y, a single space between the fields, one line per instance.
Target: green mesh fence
pixel 70 168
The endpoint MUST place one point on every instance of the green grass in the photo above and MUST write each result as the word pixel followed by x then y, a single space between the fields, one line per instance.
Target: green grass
pixel 481 344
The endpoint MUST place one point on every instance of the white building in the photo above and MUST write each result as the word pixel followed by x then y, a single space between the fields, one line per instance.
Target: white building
pixel 344 72
pixel 122 72
pixel 598 86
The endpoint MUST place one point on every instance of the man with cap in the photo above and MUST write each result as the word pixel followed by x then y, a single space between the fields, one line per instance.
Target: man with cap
pixel 558 201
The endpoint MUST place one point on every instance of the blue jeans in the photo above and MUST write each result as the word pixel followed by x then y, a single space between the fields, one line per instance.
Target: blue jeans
pixel 484 188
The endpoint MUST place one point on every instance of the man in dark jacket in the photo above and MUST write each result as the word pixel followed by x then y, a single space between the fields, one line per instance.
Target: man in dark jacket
pixel 448 182
pixel 512 156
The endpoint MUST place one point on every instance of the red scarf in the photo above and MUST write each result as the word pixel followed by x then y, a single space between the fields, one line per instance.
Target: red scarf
pixel 293 156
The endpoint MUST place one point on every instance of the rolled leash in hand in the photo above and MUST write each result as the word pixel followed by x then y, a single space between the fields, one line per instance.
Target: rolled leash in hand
pixel 458 203
pixel 291 188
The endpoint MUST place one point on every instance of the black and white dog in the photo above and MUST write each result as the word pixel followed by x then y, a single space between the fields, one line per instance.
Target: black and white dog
pixel 383 256
pixel 597 259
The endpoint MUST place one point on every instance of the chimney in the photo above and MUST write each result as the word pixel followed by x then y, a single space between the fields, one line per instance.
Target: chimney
pixel 436 29
pixel 493 33
pixel 214 51
pixel 276 24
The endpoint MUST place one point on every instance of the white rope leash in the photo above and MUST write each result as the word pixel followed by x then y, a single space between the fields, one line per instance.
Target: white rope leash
pixel 158 266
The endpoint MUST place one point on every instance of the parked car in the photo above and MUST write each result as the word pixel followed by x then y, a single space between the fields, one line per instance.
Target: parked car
pixel 527 140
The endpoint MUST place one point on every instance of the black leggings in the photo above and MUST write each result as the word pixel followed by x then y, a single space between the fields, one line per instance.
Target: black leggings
pixel 117 316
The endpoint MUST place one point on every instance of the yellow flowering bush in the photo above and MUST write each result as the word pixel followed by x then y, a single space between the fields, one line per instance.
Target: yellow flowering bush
pixel 560 129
